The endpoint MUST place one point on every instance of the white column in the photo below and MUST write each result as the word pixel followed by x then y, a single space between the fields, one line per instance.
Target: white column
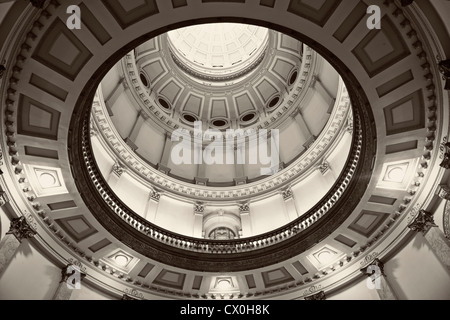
pixel 289 201
pixel 324 93
pixel 199 210
pixel 246 225
pixel 19 230
pixel 375 271
pixel 131 139
pixel 304 129
pixel 114 176
pixel 115 94
pixel 152 206
pixel 440 245
pixel 165 156
pixel 71 277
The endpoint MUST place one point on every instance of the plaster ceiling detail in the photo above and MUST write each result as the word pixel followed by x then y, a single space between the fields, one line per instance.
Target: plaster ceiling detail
pixel 219 50
pixel 71 210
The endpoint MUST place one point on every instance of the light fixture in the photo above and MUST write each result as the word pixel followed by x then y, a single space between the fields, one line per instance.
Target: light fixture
pixel 396 174
pixel 47 180
pixel 121 260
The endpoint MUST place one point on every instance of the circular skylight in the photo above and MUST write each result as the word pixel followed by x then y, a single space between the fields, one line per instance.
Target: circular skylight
pixel 219 48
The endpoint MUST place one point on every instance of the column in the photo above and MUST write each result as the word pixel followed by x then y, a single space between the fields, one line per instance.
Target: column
pixel 152 206
pixel 239 161
pixel 19 230
pixel 443 192
pixel 131 139
pixel 115 94
pixel 327 172
pixel 289 201
pixel 304 129
pixel 440 245
pixel 165 157
pixel 375 271
pixel 246 225
pixel 114 176
pixel 71 277
pixel 326 95
pixel 199 210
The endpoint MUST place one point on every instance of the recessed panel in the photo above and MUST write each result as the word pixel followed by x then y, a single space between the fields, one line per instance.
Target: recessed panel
pixel 37 120
pixel 129 12
pixel 170 279
pixel 381 48
pixel 78 228
pixel 367 222
pixel 317 11
pixel 406 114
pixel 61 51
pixel 276 277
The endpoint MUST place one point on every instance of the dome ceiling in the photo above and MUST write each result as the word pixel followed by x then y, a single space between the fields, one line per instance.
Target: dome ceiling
pixel 79 217
pixel 220 49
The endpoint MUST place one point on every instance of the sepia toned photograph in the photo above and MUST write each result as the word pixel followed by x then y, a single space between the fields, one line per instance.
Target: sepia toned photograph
pixel 231 157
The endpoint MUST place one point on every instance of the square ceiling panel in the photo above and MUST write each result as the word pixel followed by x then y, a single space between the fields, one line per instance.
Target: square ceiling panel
pixel 78 228
pixel 276 277
pixel 397 175
pixel 367 222
pixel 406 114
pixel 325 257
pixel 37 120
pixel 46 181
pixel 62 51
pixel 170 279
pixel 317 11
pixel 121 260
pixel 128 12
pixel 381 48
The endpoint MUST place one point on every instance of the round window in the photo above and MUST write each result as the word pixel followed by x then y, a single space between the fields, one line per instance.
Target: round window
pixel 293 77
pixel 189 118
pixel 144 80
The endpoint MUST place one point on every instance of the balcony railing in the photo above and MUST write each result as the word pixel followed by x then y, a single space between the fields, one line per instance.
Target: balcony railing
pixel 222 246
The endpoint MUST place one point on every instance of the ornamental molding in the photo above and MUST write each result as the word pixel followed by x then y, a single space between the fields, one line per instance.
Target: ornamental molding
pixel 268 186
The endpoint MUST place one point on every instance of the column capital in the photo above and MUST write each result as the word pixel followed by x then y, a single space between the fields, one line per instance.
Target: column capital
pixel 70 270
pixel 244 208
pixel 21 229
pixel 143 115
pixel 375 262
pixel 317 296
pixel 443 192
pixel 323 167
pixel 155 195
pixel 287 193
pixel 422 222
pixel 118 169
pixel 199 208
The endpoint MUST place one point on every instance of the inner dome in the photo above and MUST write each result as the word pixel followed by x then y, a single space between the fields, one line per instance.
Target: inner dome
pixel 219 49
pixel 255 152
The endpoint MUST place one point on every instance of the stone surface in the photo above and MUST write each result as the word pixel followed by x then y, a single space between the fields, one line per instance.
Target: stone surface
pixel 440 245
pixel 8 247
